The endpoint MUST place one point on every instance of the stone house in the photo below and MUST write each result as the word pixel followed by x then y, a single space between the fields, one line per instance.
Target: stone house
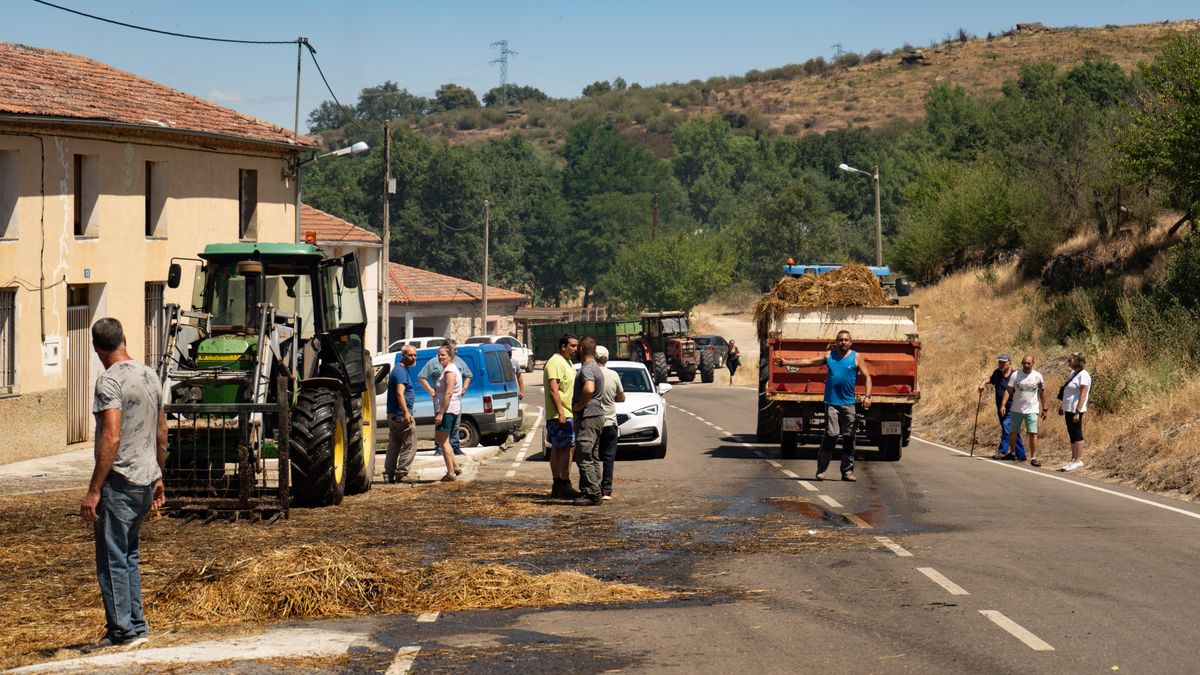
pixel 428 304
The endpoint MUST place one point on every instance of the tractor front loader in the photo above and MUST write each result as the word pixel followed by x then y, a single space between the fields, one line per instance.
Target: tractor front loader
pixel 270 400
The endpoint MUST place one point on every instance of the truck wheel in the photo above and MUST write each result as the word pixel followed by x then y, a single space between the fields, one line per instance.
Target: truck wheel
pixel 687 375
pixel 891 447
pixel 767 429
pixel 468 433
pixel 787 444
pixel 317 448
pixel 707 369
pixel 361 463
pixel 661 369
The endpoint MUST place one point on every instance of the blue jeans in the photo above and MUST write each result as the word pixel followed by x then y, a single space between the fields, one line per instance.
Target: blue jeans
pixel 122 510
pixel 1005 428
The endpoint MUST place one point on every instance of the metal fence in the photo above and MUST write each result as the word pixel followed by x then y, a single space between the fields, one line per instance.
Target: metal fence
pixel 154 323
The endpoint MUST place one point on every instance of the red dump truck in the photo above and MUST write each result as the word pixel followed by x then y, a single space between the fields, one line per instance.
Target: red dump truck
pixel 791 407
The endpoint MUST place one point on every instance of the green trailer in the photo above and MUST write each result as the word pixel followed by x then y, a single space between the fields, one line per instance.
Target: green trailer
pixel 615 335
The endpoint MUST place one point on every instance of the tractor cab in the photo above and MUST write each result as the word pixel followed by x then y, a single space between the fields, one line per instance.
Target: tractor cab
pixel 666 347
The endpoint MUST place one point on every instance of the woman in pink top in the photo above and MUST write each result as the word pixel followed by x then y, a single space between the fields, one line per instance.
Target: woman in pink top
pixel 447 401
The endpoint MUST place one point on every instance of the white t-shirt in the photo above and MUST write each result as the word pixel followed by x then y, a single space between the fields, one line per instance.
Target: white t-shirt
pixel 1070 401
pixel 1025 388
pixel 455 406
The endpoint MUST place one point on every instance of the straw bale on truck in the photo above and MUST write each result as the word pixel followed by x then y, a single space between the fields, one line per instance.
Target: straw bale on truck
pixel 799 319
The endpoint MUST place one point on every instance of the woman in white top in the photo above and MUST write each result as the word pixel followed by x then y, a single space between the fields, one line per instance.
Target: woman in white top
pixel 447 402
pixel 1074 405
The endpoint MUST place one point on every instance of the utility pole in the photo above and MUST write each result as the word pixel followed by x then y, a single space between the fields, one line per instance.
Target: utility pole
pixel 385 301
pixel 654 220
pixel 486 242
pixel 878 224
pixel 300 42
pixel 505 52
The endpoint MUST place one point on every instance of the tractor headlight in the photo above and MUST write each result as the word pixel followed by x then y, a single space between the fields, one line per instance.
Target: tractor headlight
pixel 648 410
pixel 196 393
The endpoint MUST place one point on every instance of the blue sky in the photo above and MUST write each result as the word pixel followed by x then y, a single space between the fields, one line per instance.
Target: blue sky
pixel 561 46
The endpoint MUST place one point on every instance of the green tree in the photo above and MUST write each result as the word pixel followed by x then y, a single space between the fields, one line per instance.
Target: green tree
pixel 513 94
pixel 673 271
pixel 329 115
pixel 388 101
pixel 797 223
pixel 955 121
pixel 597 87
pixel 451 96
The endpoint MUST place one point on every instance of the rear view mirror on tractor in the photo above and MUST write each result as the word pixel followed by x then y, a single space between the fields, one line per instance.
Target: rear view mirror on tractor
pixel 174 272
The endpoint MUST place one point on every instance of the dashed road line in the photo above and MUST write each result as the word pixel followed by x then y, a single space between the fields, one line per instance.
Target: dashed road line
pixel 808 486
pixel 939 579
pixel 894 547
pixel 791 474
pixel 428 617
pixel 701 419
pixel 830 501
pixel 403 661
pixel 857 521
pixel 1018 631
pixel 510 473
pixel 775 464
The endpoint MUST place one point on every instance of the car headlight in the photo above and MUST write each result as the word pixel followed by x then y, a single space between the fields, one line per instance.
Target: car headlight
pixel 648 410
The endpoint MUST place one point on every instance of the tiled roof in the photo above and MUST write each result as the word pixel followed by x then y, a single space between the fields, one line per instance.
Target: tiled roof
pixel 333 229
pixel 46 83
pixel 410 285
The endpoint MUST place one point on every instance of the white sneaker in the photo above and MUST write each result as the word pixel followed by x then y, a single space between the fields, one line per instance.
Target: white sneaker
pixel 1072 465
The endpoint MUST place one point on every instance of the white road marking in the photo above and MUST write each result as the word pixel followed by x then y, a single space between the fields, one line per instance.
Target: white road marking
pixel 520 456
pixel 894 547
pixel 701 419
pixel 1097 488
pixel 510 474
pixel 720 429
pixel 428 617
pixel 403 661
pixel 857 521
pixel 775 464
pixel 937 578
pixel 809 486
pixel 1017 630
pixel 516 465
pixel 790 474
pixel 830 501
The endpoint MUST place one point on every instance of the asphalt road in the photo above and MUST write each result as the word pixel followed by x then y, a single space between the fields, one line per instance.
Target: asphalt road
pixel 983 567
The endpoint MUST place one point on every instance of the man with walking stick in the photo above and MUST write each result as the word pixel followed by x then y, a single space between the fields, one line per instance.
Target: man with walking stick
pixel 999 381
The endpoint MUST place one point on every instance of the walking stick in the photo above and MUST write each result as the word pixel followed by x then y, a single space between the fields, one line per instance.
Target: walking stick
pixel 975 432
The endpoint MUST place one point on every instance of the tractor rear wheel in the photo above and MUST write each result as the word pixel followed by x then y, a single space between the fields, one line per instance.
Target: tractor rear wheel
pixel 361 463
pixel 707 367
pixel 662 369
pixel 317 448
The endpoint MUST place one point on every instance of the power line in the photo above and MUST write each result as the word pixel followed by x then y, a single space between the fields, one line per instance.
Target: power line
pixel 166 32
pixel 312 53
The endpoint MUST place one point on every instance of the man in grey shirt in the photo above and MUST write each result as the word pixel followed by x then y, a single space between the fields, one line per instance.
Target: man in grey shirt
pixel 614 393
pixel 432 372
pixel 131 450
pixel 588 408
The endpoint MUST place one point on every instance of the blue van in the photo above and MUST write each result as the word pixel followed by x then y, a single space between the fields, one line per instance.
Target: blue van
pixel 490 408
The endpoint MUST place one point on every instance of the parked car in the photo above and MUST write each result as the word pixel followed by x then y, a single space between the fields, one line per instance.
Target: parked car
pixel 522 354
pixel 642 416
pixel 490 409
pixel 419 343
pixel 714 345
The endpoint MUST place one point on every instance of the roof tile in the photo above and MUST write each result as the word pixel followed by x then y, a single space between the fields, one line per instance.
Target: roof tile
pixel 410 285
pixel 329 228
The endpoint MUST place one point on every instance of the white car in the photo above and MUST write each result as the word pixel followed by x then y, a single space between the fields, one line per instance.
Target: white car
pixel 419 343
pixel 521 353
pixel 642 416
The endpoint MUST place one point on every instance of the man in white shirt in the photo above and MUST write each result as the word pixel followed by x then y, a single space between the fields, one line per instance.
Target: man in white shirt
pixel 1025 387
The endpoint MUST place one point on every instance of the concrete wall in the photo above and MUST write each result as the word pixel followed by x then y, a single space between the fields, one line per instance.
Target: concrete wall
pixel 199 205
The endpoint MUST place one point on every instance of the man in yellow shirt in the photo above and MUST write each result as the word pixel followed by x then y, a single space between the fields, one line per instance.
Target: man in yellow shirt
pixel 558 380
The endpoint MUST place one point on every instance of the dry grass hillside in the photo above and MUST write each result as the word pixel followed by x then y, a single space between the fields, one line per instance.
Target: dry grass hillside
pixel 787 100
pixel 1143 427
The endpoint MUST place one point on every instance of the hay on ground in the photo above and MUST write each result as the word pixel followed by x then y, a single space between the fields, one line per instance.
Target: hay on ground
pixel 851 285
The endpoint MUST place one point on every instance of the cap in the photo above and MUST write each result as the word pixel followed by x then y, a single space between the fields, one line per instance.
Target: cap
pixel 1004 357
pixel 601 352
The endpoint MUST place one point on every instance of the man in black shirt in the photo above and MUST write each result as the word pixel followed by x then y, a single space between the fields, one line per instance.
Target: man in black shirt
pixel 999 381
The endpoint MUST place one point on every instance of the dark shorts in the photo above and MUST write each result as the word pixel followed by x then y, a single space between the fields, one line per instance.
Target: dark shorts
pixel 1074 429
pixel 560 435
pixel 448 422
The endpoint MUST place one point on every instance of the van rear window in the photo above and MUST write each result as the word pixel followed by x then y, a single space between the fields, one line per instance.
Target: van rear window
pixel 494 367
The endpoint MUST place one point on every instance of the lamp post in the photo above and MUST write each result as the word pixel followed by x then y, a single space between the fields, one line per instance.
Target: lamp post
pixel 352 150
pixel 878 219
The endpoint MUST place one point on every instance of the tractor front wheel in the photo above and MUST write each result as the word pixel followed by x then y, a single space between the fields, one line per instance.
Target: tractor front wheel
pixel 662 369
pixel 707 367
pixel 317 447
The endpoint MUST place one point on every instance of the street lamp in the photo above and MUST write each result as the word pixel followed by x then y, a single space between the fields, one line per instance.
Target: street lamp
pixel 878 220
pixel 355 149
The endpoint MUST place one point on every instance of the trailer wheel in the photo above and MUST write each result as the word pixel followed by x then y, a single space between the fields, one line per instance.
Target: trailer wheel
pixel 317 447
pixel 361 463
pixel 891 447
pixel 707 369
pixel 788 440
pixel 767 429
pixel 662 369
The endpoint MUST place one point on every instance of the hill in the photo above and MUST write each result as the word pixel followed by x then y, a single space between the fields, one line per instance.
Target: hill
pixel 854 90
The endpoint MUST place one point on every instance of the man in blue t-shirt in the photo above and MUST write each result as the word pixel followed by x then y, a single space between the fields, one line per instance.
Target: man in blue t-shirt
pixel 999 380
pixel 432 372
pixel 402 428
pixel 842 368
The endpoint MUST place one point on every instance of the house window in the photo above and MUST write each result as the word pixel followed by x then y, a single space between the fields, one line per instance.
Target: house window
pixel 86 177
pixel 10 192
pixel 156 199
pixel 8 340
pixel 247 203
pixel 154 323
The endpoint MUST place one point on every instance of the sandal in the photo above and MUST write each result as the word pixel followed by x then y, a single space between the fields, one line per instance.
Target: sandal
pixel 457 471
pixel 449 478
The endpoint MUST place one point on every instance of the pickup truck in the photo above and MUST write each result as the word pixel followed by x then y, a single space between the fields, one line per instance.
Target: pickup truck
pixel 791 399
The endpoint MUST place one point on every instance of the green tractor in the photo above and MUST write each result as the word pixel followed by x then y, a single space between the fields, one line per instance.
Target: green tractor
pixel 269 388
